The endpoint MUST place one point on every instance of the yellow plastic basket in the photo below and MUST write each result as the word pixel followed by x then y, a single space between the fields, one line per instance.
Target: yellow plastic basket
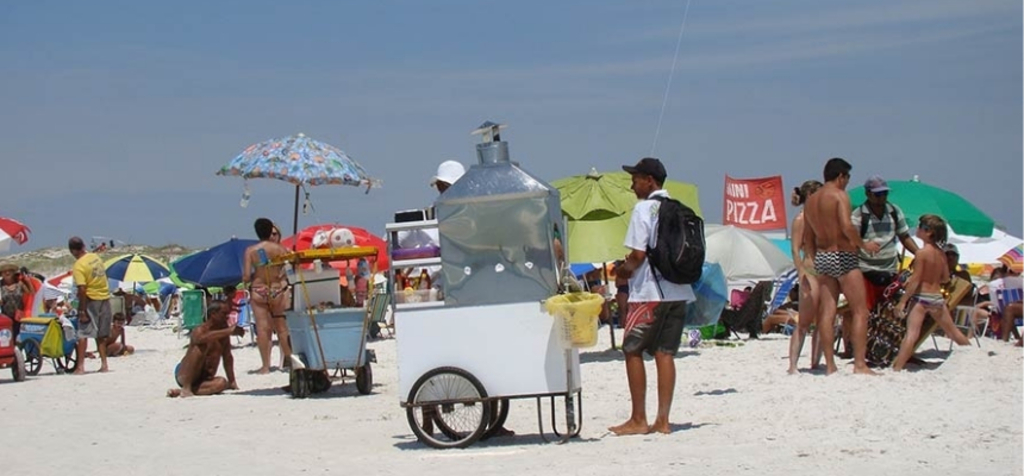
pixel 578 314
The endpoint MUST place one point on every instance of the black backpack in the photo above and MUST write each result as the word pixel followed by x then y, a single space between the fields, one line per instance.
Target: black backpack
pixel 678 254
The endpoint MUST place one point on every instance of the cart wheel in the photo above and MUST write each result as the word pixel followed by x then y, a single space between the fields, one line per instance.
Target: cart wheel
pixel 18 367
pixel 299 383
pixel 451 398
pixel 499 413
pixel 320 382
pixel 33 357
pixel 364 379
pixel 66 364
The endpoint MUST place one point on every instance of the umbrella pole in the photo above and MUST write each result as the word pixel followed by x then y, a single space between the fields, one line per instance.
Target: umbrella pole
pixel 295 220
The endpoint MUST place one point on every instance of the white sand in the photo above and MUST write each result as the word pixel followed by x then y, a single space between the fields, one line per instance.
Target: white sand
pixel 736 411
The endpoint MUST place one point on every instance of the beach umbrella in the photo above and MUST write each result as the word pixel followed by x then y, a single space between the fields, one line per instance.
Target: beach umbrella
pixel 304 240
pixel 12 230
pixel 1012 259
pixel 916 198
pixel 300 161
pixel 220 265
pixel 136 268
pixel 712 294
pixel 745 255
pixel 597 207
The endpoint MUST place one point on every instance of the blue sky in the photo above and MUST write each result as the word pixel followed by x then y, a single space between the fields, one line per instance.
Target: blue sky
pixel 117 114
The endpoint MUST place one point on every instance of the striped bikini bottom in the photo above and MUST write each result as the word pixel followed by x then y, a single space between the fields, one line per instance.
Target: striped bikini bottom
pixel 929 300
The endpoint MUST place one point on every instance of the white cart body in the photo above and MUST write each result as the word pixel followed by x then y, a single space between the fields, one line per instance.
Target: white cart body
pixel 515 350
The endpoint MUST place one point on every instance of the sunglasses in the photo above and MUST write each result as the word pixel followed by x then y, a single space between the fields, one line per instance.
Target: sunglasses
pixel 924 227
pixel 881 194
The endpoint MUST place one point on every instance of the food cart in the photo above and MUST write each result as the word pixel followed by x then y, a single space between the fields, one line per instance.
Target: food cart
pixel 325 337
pixel 480 336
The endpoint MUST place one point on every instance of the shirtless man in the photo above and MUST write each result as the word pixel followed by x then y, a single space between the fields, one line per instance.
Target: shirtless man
pixel 924 289
pixel 269 290
pixel 209 345
pixel 831 243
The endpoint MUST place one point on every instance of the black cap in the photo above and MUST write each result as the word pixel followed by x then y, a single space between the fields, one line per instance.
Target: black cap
pixel 648 166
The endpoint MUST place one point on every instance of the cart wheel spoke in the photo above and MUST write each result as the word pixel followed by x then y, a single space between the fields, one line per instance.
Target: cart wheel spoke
pixel 453 401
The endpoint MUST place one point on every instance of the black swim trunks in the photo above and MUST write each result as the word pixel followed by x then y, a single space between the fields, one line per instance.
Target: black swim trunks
pixel 835 264
pixel 654 327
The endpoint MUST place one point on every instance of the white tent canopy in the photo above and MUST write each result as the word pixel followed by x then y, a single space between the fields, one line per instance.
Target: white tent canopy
pixel 983 250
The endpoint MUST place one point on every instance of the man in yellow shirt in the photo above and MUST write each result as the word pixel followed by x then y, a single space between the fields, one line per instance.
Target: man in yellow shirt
pixel 94 316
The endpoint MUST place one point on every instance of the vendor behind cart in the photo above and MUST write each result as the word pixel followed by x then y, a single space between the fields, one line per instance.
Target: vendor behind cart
pixel 447 173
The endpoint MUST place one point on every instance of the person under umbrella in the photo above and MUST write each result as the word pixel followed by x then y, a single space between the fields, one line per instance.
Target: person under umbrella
pixel 271 296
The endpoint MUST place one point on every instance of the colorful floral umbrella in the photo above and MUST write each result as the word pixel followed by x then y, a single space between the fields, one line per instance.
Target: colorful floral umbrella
pixel 136 268
pixel 301 161
pixel 12 230
pixel 363 238
pixel 1014 258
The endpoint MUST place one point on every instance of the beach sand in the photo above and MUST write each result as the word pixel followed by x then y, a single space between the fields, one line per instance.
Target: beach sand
pixel 736 411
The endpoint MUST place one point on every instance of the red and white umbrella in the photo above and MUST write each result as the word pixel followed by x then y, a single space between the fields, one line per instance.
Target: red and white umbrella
pixel 12 230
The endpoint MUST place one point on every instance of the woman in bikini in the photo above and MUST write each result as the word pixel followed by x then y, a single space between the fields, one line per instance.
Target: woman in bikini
pixel 924 290
pixel 269 291
pixel 808 284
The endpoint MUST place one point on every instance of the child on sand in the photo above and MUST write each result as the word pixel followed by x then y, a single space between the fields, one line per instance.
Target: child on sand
pixel 924 289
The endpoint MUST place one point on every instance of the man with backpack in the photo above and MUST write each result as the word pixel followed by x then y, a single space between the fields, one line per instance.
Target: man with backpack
pixel 880 222
pixel 666 242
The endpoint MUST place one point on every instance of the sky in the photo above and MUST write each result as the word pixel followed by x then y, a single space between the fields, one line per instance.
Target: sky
pixel 116 115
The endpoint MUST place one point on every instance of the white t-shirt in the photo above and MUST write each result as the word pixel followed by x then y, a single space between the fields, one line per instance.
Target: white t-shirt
pixel 643 232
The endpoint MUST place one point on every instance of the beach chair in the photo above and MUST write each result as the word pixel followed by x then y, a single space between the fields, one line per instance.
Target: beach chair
pixel 783 286
pixel 245 317
pixel 748 317
pixel 1009 296
pixel 193 310
pixel 378 307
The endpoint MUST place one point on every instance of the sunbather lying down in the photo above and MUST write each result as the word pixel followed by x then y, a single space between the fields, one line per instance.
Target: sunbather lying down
pixel 209 345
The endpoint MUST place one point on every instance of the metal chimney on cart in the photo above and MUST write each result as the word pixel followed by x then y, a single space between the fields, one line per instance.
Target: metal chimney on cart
pixel 498 225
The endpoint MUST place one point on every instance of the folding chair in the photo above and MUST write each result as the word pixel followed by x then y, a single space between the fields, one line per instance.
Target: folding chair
pixel 748 317
pixel 378 308
pixel 245 318
pixel 966 318
pixel 193 310
pixel 1009 296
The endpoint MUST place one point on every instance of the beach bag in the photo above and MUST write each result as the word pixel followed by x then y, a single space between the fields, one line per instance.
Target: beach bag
pixel 53 340
pixel 678 254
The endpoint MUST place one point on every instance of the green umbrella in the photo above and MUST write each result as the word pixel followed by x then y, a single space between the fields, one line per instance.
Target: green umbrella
pixel 598 206
pixel 916 198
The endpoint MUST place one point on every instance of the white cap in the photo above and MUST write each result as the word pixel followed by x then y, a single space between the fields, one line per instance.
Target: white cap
pixel 448 172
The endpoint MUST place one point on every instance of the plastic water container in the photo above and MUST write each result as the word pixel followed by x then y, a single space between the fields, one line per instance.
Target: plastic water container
pixel 578 314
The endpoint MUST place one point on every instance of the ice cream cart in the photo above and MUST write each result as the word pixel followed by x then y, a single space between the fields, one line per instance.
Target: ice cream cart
pixel 325 337
pixel 480 336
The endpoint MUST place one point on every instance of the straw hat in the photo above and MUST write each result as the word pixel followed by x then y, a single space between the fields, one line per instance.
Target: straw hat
pixel 8 267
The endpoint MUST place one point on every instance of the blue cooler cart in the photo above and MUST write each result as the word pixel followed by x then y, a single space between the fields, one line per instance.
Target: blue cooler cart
pixel 30 339
pixel 326 338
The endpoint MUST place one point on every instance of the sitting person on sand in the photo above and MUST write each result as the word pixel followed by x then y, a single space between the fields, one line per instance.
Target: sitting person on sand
pixel 209 345
pixel 786 314
pixel 925 290
pixel 116 344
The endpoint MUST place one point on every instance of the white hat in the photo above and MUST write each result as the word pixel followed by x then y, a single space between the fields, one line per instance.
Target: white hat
pixel 448 172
